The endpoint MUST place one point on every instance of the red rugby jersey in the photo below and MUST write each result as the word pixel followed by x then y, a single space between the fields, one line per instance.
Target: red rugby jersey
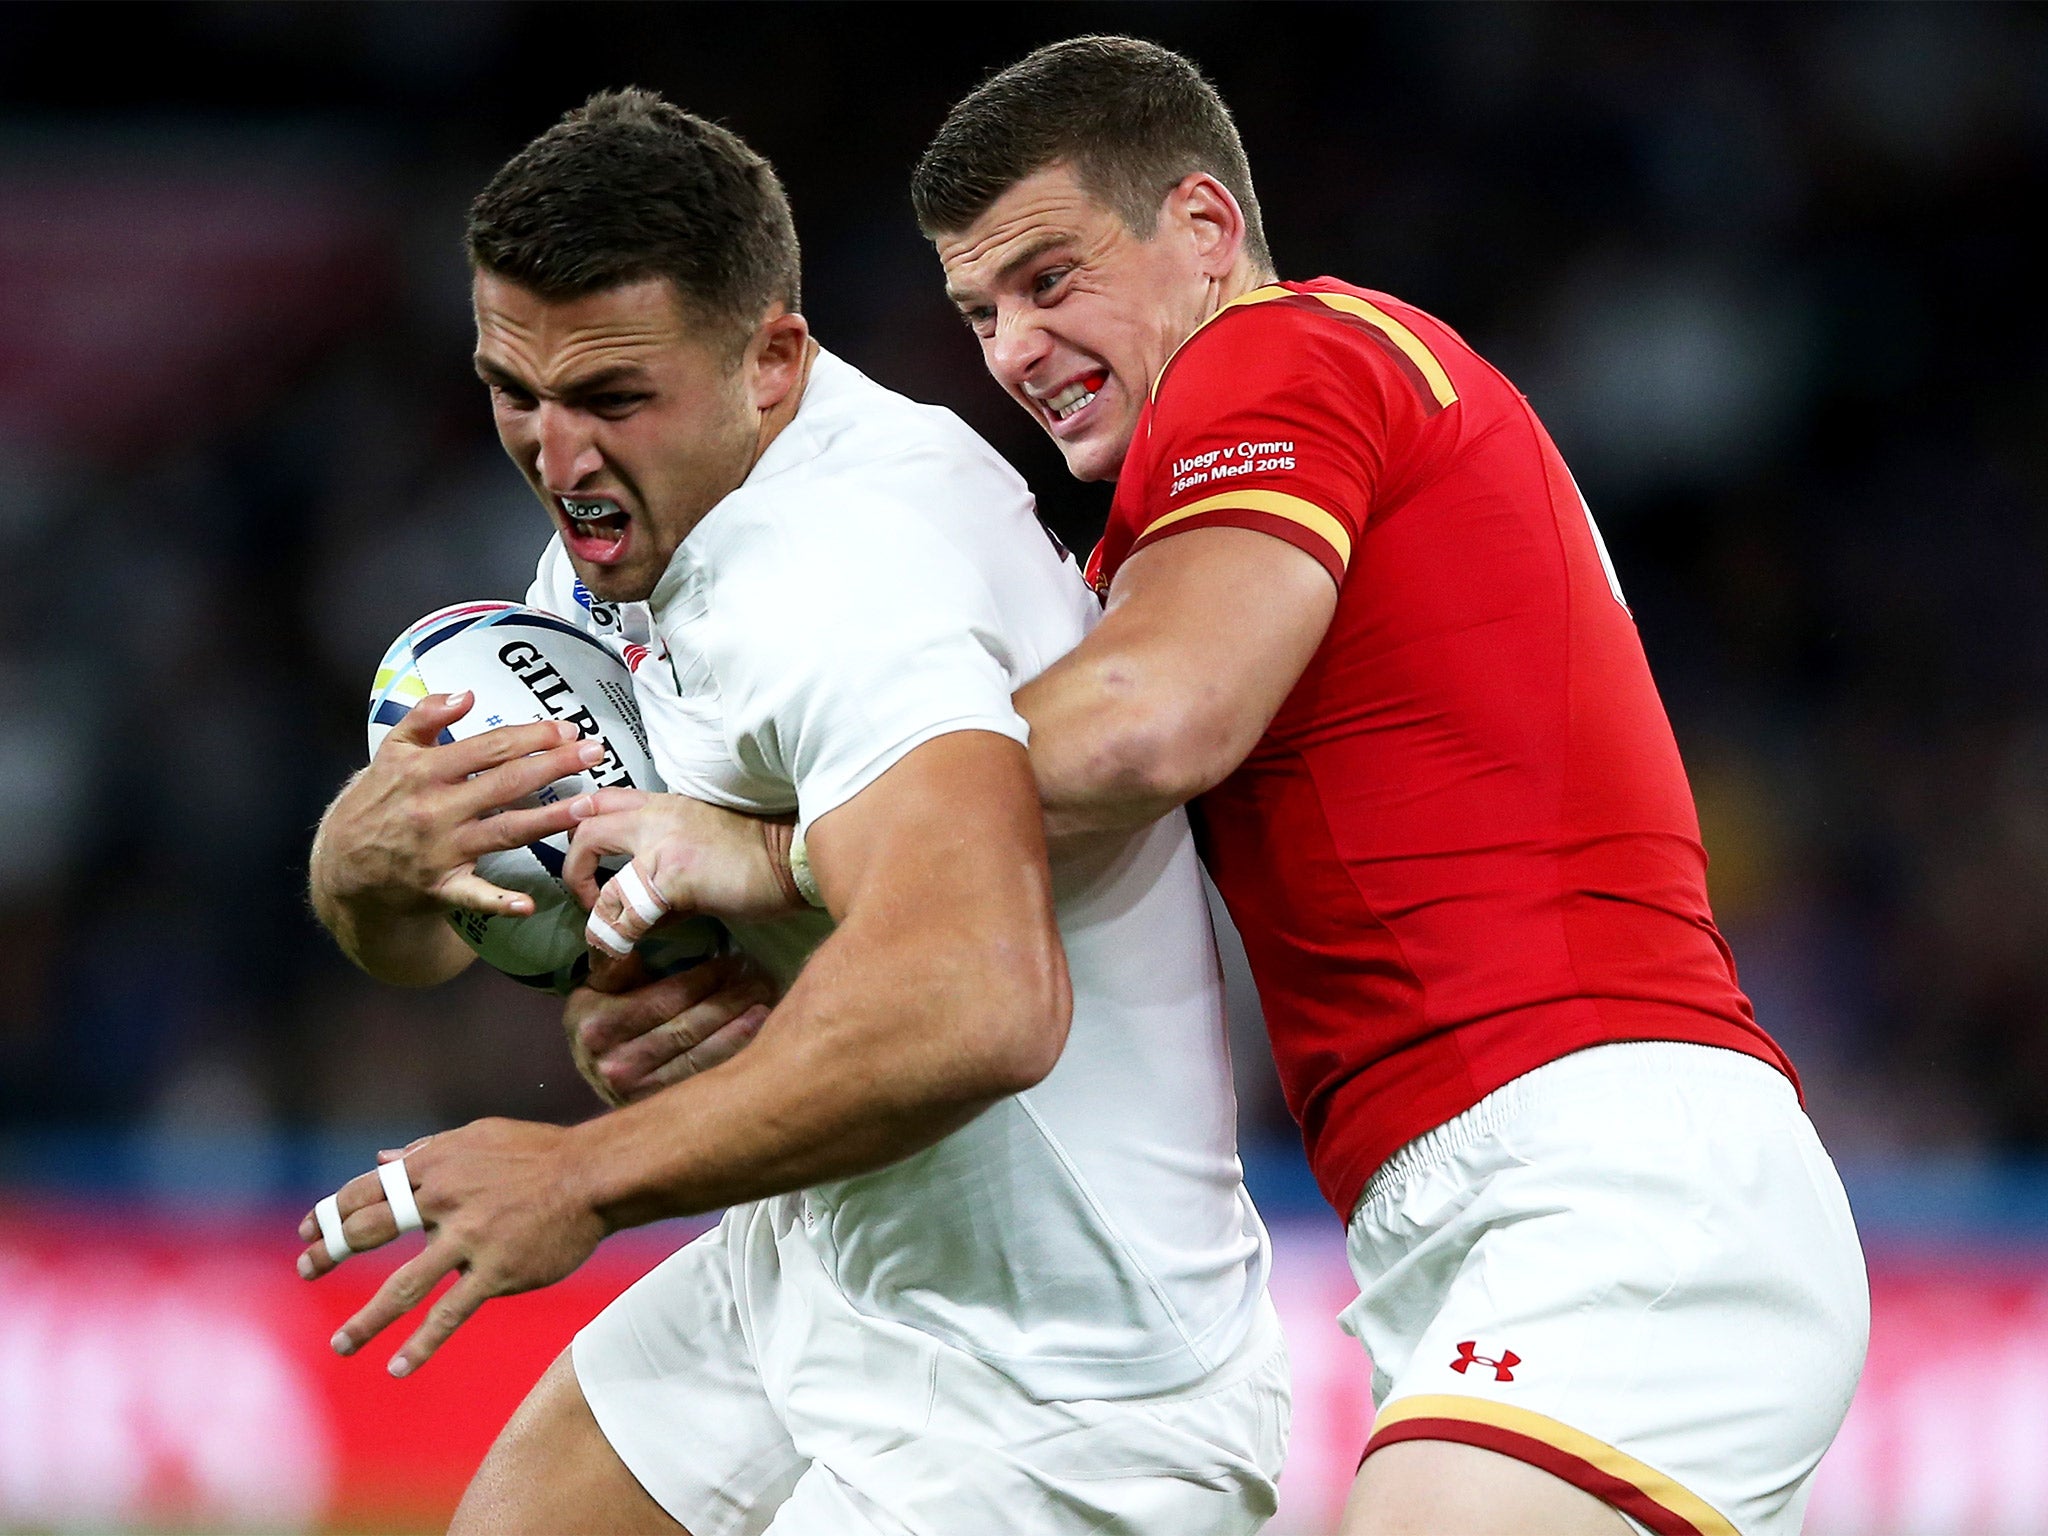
pixel 1466 846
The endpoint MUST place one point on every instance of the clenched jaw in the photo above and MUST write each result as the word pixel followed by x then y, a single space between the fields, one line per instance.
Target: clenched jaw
pixel 1068 400
pixel 595 528
pixel 1068 408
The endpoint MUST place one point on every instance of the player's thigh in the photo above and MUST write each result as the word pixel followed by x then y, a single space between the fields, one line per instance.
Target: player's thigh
pixel 675 1386
pixel 910 1433
pixel 552 1470
pixel 1642 1279
pixel 1436 1487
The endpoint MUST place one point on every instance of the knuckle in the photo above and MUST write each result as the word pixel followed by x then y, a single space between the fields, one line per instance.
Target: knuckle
pixel 682 1031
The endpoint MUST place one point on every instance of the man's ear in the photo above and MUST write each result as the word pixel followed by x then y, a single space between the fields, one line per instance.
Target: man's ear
pixel 775 358
pixel 1202 207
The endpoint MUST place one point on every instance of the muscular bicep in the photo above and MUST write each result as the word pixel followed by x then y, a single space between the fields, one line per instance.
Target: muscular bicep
pixel 952 822
pixel 937 875
pixel 1207 633
pixel 942 990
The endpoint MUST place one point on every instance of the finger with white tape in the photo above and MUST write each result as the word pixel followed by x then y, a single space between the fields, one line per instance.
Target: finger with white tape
pixel 328 1214
pixel 607 938
pixel 398 1194
pixel 645 902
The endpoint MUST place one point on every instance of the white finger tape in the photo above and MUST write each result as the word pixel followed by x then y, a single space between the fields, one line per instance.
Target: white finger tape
pixel 328 1214
pixel 398 1194
pixel 646 902
pixel 606 937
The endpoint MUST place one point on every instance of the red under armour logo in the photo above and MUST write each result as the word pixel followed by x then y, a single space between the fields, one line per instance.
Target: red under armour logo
pixel 1503 1368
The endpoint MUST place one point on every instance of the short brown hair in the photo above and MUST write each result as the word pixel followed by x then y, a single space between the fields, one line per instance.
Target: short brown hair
pixel 1131 117
pixel 629 186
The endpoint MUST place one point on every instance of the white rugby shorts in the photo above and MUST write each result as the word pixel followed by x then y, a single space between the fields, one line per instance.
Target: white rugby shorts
pixel 1634 1268
pixel 746 1395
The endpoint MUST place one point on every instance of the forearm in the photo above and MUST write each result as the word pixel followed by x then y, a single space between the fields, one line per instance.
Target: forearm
pixel 1102 750
pixel 404 945
pixel 943 989
pixel 877 1074
pixel 1206 634
pixel 400 949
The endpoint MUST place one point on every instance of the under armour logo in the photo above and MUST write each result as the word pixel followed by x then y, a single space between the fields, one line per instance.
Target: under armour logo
pixel 1503 1368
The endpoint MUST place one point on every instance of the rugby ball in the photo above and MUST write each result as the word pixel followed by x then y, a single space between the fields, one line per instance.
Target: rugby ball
pixel 526 666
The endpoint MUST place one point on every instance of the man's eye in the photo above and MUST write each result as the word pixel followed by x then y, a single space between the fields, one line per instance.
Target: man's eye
pixel 981 319
pixel 512 399
pixel 1047 280
pixel 613 404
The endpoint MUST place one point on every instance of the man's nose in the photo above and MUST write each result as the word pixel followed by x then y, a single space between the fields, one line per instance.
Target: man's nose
pixel 1018 346
pixel 568 449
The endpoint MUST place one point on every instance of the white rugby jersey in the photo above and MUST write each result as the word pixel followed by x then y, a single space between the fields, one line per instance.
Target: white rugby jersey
pixel 879 580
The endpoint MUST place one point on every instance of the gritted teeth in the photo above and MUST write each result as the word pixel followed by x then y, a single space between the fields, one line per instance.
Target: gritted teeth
pixel 584 509
pixel 1076 395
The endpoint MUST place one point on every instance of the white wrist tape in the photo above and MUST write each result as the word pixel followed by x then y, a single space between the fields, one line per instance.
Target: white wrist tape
pixel 398 1194
pixel 328 1214
pixel 645 902
pixel 800 870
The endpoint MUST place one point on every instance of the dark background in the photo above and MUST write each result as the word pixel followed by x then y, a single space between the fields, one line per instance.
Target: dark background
pixel 1763 270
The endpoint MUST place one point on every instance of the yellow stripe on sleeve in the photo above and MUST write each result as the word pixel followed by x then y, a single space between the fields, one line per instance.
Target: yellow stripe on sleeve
pixel 1274 503
pixel 1399 334
pixel 1654 1485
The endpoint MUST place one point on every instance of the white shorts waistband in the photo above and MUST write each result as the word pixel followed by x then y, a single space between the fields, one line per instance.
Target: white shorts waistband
pixel 1637 1059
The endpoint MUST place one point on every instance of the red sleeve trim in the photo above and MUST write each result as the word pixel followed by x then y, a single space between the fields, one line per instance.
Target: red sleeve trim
pixel 1298 522
pixel 1315 547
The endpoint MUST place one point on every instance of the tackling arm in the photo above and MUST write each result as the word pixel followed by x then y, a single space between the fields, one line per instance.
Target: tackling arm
pixel 1207 633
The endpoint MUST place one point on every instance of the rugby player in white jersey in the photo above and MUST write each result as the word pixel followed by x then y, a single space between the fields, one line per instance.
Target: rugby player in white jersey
pixel 983 1268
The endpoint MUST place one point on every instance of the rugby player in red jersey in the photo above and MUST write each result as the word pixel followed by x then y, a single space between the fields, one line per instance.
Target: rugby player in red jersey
pixel 1358 612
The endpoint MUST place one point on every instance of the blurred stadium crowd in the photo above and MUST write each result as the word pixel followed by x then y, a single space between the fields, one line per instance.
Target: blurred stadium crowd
pixel 1763 271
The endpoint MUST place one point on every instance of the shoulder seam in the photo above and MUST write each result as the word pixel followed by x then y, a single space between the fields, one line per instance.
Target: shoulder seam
pixel 1263 295
pixel 1428 374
